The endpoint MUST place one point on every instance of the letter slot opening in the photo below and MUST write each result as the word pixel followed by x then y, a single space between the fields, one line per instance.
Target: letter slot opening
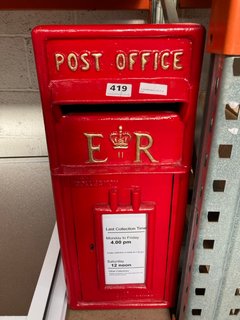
pixel 74 109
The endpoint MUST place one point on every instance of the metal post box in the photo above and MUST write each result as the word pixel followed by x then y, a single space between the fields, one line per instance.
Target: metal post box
pixel 119 107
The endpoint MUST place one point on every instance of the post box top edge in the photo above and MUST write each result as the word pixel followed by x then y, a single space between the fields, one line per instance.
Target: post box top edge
pixel 118 30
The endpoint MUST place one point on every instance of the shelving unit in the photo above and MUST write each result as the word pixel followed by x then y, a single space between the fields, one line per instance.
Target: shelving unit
pixel 210 286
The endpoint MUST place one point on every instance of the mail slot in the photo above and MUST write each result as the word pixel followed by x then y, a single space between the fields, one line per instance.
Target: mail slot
pixel 119 106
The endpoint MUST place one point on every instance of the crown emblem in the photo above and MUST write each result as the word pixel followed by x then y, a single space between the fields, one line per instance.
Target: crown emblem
pixel 120 139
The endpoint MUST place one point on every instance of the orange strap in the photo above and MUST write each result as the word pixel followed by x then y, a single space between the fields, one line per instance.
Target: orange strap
pixel 224 28
pixel 76 4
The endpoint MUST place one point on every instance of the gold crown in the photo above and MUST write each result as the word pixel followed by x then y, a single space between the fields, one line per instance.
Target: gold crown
pixel 120 139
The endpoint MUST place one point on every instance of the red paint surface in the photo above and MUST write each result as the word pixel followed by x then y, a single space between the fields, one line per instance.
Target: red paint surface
pixel 83 127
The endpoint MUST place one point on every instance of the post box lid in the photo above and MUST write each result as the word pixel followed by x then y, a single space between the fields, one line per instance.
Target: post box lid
pixel 66 55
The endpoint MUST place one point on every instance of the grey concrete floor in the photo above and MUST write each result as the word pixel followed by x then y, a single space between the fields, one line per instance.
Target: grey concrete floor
pixel 126 314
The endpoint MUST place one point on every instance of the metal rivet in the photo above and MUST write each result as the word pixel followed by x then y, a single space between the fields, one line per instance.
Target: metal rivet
pixel 201 192
pixel 216 85
pixel 211 124
pixel 205 160
pixel 193 245
pixel 197 219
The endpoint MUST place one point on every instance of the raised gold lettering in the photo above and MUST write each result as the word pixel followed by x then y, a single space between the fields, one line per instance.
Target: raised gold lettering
pixel 143 148
pixel 92 148
pixel 132 59
pixel 155 65
pixel 86 65
pixel 120 61
pixel 164 64
pixel 157 60
pixel 72 61
pixel 97 57
pixel 59 59
pixel 176 60
pixel 144 60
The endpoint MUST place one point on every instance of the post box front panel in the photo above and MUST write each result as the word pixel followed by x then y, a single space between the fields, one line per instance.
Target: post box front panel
pixel 101 138
pixel 94 278
pixel 125 271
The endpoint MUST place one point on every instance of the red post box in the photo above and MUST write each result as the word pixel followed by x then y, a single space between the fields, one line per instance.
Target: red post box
pixel 119 105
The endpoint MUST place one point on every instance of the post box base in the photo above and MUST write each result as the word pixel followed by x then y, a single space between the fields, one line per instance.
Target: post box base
pixel 119 305
pixel 126 314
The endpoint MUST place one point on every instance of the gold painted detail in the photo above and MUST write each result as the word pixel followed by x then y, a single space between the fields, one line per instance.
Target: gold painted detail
pixel 177 61
pixel 143 148
pixel 120 139
pixel 83 61
pixel 133 60
pixel 92 148
pixel 120 154
pixel 155 60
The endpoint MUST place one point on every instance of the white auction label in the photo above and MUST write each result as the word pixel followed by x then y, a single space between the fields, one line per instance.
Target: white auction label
pixel 124 240
pixel 153 88
pixel 118 90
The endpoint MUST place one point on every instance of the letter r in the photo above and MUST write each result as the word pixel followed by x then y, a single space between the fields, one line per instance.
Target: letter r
pixel 143 148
